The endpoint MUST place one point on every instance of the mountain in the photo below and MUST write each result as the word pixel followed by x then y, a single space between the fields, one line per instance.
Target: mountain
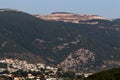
pixel 68 17
pixel 76 47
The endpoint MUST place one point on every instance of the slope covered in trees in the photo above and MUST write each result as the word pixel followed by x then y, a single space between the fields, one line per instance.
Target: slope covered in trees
pixel 113 74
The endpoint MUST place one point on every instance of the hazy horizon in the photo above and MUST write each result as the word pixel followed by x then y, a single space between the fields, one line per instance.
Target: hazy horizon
pixel 106 8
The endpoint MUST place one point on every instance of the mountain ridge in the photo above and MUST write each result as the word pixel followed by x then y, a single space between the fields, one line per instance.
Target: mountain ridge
pixel 52 42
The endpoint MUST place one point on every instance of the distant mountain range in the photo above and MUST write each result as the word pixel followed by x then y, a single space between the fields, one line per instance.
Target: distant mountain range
pixel 77 47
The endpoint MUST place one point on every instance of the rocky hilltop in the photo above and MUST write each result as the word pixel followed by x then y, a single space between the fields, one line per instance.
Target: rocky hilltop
pixel 69 17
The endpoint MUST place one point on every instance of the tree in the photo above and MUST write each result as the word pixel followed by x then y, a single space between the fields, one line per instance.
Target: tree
pixel 69 74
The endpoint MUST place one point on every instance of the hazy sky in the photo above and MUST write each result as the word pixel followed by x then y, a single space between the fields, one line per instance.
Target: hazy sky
pixel 106 8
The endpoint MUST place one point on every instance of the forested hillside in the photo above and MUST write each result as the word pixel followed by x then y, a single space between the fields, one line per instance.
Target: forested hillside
pixel 113 74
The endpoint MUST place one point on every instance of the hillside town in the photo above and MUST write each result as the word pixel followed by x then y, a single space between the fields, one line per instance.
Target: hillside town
pixel 14 69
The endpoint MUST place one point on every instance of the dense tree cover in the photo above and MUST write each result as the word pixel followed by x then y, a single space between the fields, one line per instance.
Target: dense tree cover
pixel 69 74
pixel 3 65
pixel 113 74
pixel 20 73
pixel 23 33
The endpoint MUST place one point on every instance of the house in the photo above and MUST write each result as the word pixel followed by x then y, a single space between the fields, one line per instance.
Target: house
pixel 19 78
pixel 37 77
pixel 51 79
pixel 87 74
pixel 30 76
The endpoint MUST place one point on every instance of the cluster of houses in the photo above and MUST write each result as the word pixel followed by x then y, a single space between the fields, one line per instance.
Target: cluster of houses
pixel 28 77
pixel 11 66
pixel 21 70
pixel 15 65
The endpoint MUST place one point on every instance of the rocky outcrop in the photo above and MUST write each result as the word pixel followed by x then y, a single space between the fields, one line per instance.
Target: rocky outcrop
pixel 80 60
pixel 68 17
